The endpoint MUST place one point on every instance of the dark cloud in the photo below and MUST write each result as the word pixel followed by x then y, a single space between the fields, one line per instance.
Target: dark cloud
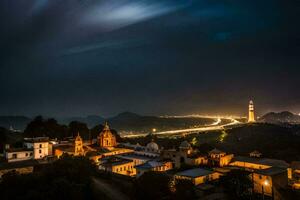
pixel 157 57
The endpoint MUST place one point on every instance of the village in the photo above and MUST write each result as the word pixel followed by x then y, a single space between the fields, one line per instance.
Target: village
pixel 268 176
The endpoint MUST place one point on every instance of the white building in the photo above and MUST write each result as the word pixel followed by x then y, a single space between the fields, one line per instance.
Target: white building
pixel 19 154
pixel 39 145
pixel 33 149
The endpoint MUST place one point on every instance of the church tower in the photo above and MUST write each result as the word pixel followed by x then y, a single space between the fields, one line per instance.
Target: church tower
pixel 78 146
pixel 251 117
pixel 107 138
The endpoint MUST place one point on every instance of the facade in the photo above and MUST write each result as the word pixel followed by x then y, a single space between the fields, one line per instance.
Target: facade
pixel 294 174
pixel 198 175
pixel 73 147
pixel 251 164
pixel 118 166
pixel 219 158
pixel 33 148
pixel 255 154
pixel 40 146
pixel 269 181
pixel 15 155
pixel 251 117
pixel 106 138
pixel 154 165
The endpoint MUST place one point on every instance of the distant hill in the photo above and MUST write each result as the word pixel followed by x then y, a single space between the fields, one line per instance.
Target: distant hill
pixel 16 122
pixel 91 120
pixel 279 118
pixel 128 121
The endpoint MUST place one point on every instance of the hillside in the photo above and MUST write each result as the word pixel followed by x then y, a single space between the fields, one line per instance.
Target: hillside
pixel 280 118
pixel 132 122
pixel 272 141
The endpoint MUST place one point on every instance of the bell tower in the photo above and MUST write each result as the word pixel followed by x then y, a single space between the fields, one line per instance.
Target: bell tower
pixel 78 146
pixel 251 117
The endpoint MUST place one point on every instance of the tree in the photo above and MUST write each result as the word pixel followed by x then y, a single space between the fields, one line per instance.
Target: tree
pixel 50 128
pixel 75 127
pixel 184 189
pixel 3 137
pixel 68 178
pixel 153 185
pixel 237 184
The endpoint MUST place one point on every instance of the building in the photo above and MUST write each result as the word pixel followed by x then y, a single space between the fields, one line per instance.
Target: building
pixel 40 146
pixel 251 164
pixel 270 181
pixel 182 156
pixel 154 165
pixel 219 158
pixel 251 117
pixel 106 139
pixel 17 154
pixel 71 147
pixel 198 175
pixel 33 148
pixel 137 159
pixel 118 166
pixel 255 154
pixel 294 174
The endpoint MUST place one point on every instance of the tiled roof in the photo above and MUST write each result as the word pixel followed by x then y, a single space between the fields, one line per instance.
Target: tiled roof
pixel 262 161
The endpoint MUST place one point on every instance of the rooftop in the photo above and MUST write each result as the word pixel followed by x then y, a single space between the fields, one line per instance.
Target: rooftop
pixel 263 161
pixel 216 151
pixel 36 139
pixel 116 161
pixel 151 164
pixel 22 149
pixel 194 173
pixel 271 171
pixel 135 156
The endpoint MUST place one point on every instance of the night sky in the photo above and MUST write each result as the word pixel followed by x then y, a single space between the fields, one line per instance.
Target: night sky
pixel 82 57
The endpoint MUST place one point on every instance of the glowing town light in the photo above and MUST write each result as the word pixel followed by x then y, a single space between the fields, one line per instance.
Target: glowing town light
pixel 266 183
pixel 154 130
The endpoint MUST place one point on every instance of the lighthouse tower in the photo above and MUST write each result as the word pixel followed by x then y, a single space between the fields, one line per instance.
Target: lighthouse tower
pixel 251 117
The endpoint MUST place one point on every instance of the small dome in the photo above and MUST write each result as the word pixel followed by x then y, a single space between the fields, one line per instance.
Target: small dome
pixel 185 145
pixel 152 146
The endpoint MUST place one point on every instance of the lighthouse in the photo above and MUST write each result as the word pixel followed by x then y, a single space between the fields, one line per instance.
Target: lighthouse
pixel 251 117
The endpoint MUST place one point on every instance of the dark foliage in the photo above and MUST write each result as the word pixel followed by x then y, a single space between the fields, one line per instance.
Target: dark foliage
pixel 67 178
pixel 152 185
pixel 3 137
pixel 50 128
pixel 184 189
pixel 76 127
pixel 237 184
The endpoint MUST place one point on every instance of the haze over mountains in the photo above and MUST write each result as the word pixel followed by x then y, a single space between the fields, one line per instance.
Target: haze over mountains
pixel 125 121
pixel 131 121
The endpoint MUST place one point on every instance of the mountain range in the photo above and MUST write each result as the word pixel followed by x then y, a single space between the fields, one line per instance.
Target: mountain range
pixel 280 118
pixel 126 121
